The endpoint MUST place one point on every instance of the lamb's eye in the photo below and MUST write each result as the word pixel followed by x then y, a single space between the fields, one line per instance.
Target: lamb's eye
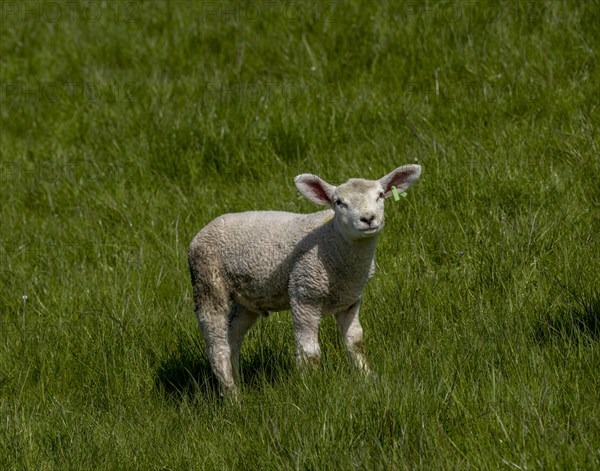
pixel 339 203
pixel 381 195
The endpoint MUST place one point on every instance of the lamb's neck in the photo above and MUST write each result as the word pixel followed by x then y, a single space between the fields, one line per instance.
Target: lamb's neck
pixel 353 253
pixel 363 249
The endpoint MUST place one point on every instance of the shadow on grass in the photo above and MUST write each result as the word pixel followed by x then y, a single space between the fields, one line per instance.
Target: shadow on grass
pixel 186 371
pixel 581 320
pixel 269 365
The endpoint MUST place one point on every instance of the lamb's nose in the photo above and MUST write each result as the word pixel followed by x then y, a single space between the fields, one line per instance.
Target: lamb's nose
pixel 368 219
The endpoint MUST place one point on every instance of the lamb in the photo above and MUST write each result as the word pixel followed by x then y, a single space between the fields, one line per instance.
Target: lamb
pixel 246 264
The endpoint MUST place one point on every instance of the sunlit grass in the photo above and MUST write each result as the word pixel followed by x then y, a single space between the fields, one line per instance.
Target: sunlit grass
pixel 125 127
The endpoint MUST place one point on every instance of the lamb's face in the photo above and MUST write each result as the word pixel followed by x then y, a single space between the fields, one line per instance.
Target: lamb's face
pixel 358 206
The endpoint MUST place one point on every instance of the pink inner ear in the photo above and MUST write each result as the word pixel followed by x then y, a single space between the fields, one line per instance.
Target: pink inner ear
pixel 318 191
pixel 398 180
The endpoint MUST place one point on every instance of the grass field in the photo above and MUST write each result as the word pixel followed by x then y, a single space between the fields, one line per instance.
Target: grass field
pixel 125 127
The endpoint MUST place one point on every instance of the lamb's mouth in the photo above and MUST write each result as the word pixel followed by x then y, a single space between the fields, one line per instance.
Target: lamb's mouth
pixel 370 230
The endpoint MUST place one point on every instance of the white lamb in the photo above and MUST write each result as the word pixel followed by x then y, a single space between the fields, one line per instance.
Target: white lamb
pixel 316 264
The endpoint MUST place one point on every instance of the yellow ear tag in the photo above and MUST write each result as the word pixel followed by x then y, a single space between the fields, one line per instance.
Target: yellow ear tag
pixel 328 218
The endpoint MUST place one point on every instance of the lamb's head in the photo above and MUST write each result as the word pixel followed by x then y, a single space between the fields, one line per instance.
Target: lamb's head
pixel 358 203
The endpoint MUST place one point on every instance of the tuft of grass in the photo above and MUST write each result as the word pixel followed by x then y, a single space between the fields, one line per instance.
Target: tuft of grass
pixel 127 126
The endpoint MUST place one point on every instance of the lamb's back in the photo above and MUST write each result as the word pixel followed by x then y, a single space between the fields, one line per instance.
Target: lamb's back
pixel 256 251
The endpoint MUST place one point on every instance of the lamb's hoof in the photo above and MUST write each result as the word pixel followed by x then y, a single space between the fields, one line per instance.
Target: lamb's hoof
pixel 372 377
pixel 232 396
pixel 306 363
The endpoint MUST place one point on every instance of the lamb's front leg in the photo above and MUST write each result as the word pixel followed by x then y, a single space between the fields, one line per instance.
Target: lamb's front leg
pixel 352 333
pixel 306 330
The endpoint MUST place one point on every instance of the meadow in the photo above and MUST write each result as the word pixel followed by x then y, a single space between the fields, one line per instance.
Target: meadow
pixel 126 126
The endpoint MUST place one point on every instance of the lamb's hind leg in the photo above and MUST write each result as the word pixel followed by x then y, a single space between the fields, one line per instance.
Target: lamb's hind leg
pixel 240 321
pixel 212 317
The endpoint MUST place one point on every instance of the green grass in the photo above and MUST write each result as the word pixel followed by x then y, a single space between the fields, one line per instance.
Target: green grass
pixel 125 127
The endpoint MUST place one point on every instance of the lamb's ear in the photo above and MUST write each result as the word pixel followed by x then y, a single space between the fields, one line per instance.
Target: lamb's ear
pixel 402 178
pixel 315 189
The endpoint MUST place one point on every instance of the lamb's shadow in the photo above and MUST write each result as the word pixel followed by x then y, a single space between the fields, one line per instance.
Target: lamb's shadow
pixel 269 365
pixel 578 322
pixel 186 371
